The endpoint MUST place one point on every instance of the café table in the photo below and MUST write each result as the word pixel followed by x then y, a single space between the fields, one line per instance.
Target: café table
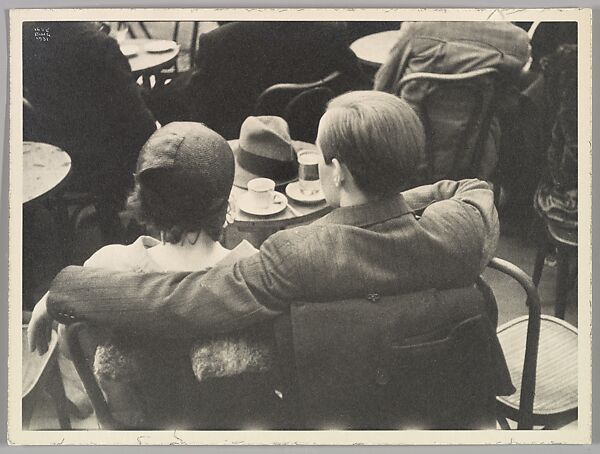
pixel 373 50
pixel 256 229
pixel 45 172
pixel 45 167
pixel 144 63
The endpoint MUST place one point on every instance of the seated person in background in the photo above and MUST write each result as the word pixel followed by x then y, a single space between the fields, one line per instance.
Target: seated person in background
pixel 540 143
pixel 236 62
pixel 556 196
pixel 85 101
pixel 372 242
pixel 456 48
pixel 548 36
pixel 453 48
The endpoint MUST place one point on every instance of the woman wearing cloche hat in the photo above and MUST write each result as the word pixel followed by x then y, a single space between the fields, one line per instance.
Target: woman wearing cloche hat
pixel 183 179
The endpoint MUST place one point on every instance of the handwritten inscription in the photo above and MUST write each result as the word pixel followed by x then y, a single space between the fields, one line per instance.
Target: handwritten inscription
pixel 41 34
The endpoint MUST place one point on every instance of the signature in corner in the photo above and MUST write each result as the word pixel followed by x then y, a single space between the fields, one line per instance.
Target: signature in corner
pixel 41 34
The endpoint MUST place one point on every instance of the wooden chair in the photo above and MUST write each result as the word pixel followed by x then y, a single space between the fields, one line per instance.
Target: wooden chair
pixel 459 336
pixel 565 242
pixel 456 111
pixel 541 353
pixel 300 104
pixel 85 371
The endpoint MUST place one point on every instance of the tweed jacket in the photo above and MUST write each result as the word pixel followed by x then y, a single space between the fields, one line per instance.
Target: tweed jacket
pixel 381 248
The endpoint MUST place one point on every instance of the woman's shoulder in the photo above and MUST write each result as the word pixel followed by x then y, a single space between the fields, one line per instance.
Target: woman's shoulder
pixel 244 249
pixel 123 257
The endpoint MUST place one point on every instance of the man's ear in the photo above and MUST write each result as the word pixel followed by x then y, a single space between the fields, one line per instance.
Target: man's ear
pixel 338 172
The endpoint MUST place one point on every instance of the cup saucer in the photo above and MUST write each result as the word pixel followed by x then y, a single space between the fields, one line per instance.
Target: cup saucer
pixel 129 50
pixel 245 204
pixel 293 191
pixel 157 46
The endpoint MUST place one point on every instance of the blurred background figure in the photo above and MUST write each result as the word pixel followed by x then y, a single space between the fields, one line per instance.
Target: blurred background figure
pixel 528 131
pixel 79 95
pixel 236 62
pixel 84 100
pixel 556 196
pixel 439 68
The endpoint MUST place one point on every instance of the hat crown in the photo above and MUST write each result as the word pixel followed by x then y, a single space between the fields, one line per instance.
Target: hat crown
pixel 197 160
pixel 268 137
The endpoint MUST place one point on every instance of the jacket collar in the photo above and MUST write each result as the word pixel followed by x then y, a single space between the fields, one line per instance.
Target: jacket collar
pixel 368 214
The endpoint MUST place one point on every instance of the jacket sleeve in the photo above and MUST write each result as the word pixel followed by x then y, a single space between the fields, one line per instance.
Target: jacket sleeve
pixel 474 196
pixel 222 299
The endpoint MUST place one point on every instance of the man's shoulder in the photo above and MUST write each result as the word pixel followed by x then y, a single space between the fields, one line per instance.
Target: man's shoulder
pixel 299 241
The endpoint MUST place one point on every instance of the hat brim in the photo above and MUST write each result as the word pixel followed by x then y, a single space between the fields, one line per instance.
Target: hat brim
pixel 243 176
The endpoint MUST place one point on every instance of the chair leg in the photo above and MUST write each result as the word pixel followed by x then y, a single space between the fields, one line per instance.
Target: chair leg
pixel 503 422
pixel 562 280
pixel 540 257
pixel 145 30
pixel 194 44
pixel 56 389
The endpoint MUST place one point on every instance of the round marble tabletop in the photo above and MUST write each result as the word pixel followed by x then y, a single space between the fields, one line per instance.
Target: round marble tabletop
pixel 44 168
pixel 374 49
pixel 144 62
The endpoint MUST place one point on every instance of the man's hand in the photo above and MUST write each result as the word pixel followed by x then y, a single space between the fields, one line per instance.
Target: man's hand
pixel 39 330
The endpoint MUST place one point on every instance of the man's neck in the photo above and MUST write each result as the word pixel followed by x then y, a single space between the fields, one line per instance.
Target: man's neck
pixel 354 198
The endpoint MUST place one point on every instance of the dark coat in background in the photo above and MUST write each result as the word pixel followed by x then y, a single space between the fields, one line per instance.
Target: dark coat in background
pixel 236 62
pixel 86 101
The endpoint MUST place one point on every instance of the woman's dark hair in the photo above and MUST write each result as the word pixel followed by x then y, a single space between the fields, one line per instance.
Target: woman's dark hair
pixel 377 136
pixel 152 204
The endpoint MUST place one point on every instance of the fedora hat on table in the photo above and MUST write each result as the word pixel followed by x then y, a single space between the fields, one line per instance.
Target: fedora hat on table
pixel 265 149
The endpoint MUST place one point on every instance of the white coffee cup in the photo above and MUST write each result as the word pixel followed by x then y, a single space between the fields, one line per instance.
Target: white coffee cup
pixel 261 192
pixel 308 172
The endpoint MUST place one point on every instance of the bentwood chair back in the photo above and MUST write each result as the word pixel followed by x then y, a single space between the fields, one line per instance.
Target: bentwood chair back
pixel 300 104
pixel 541 353
pixel 456 111
pixel 86 374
